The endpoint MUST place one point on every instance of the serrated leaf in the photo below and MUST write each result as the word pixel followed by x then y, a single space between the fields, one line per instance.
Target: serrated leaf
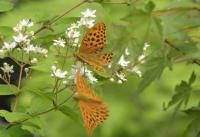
pixel 70 113
pixel 152 74
pixel 182 92
pixel 5 5
pixel 14 116
pixel 8 90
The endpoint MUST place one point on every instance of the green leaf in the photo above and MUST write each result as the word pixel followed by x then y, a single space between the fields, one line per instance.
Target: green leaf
pixel 3 132
pixel 182 92
pixel 6 31
pixel 192 78
pixel 150 6
pixel 34 125
pixel 153 73
pixel 39 104
pixel 6 5
pixel 70 113
pixel 8 90
pixel 194 111
pixel 17 131
pixel 193 129
pixel 194 34
pixel 14 116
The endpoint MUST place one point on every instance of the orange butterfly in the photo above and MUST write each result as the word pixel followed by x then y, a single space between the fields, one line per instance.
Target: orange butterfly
pixel 93 43
pixel 94 110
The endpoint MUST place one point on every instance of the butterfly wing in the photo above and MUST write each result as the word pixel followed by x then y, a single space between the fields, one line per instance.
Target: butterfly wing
pixel 97 62
pixel 94 39
pixel 93 109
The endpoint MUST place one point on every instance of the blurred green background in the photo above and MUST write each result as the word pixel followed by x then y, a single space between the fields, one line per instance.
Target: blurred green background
pixel 132 114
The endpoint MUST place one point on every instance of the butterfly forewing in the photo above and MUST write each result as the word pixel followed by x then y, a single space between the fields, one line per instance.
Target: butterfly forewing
pixel 94 39
pixel 93 42
pixel 94 110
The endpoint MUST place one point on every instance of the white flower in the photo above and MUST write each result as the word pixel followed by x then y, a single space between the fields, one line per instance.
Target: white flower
pixel 90 76
pixel 146 45
pixel 18 28
pixel 20 38
pixel 136 70
pixel 7 68
pixel 127 52
pixel 112 79
pixel 89 13
pixel 73 26
pixel 73 34
pixel 41 50
pixel 121 76
pixel 9 46
pixel 34 61
pixel 141 58
pixel 26 70
pixel 119 81
pixel 23 23
pixel 29 48
pixel 59 42
pixel 86 22
pixel 74 69
pixel 26 23
pixel 122 62
pixel 58 73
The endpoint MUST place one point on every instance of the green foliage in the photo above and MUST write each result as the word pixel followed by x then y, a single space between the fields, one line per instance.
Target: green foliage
pixel 6 5
pixel 182 93
pixel 14 116
pixel 8 90
pixel 44 106
pixel 70 113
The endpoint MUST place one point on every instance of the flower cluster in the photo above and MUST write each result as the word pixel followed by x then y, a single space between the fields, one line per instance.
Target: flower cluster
pixel 73 32
pixel 72 39
pixel 84 71
pixel 58 73
pixel 22 42
pixel 7 71
pixel 59 42
pixel 125 65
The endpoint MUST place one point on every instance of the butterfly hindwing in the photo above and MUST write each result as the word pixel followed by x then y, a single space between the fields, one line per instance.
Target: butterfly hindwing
pixel 94 110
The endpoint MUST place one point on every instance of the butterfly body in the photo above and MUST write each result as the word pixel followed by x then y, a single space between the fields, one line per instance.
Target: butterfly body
pixel 94 110
pixel 90 50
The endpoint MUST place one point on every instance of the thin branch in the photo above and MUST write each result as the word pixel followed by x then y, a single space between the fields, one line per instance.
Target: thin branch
pixel 41 113
pixel 195 61
pixel 52 21
pixel 174 10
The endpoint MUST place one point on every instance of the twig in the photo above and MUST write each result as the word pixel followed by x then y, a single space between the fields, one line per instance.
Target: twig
pixel 52 21
pixel 41 113
pixel 196 61
pixel 174 10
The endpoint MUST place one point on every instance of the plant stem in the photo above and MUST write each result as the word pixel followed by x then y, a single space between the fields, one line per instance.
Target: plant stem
pixel 195 61
pixel 41 113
